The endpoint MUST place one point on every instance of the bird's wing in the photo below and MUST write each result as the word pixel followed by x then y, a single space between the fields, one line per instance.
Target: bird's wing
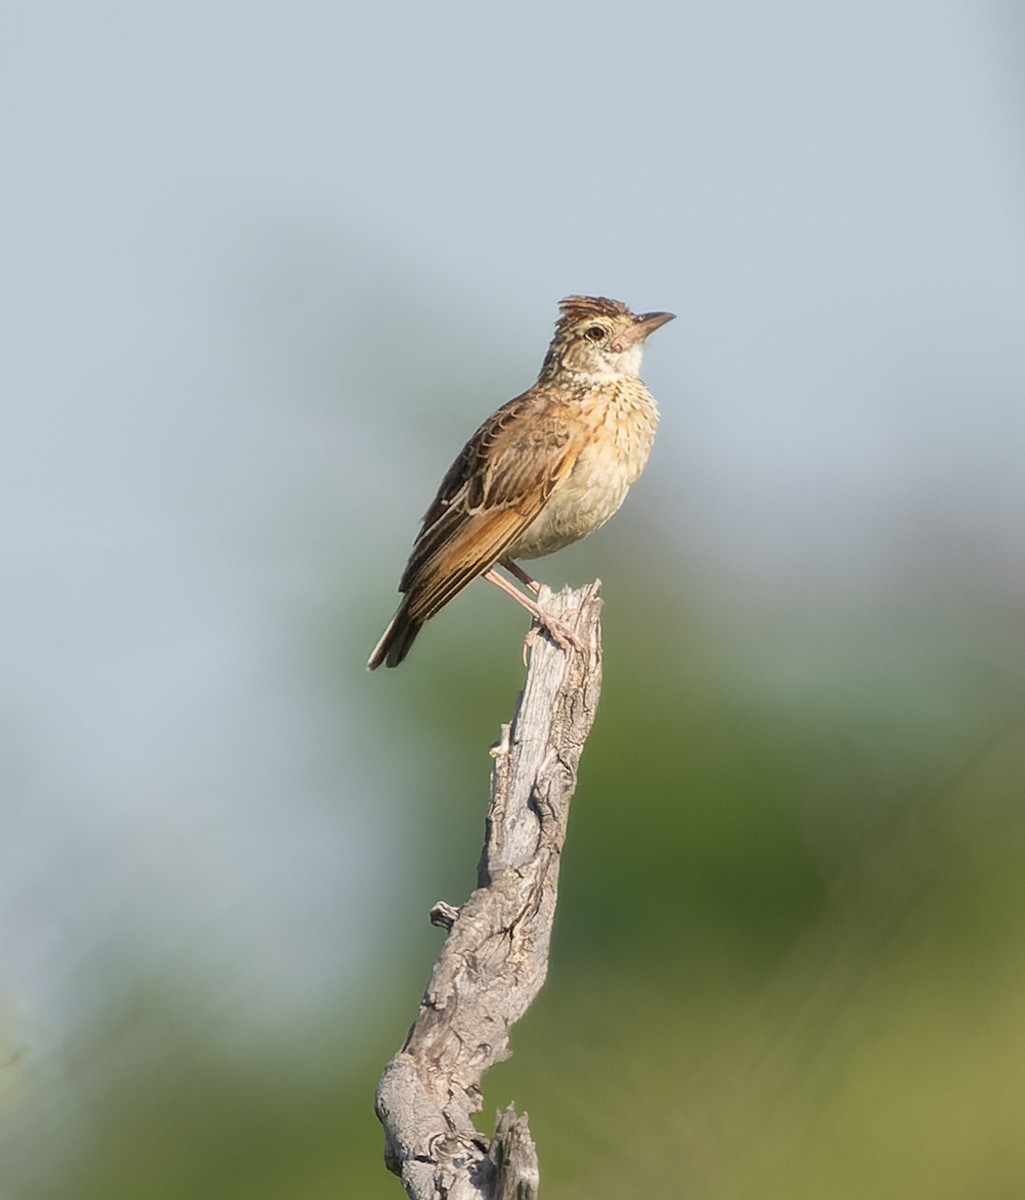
pixel 495 488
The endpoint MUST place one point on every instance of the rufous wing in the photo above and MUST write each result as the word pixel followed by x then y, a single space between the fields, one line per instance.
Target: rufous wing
pixel 495 488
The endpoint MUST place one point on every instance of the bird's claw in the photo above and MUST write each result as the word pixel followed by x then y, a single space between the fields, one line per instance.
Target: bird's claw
pixel 560 633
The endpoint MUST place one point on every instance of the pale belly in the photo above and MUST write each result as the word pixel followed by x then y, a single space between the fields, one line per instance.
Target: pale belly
pixel 593 492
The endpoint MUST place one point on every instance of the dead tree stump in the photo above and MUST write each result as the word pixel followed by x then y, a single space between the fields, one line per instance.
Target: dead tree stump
pixel 495 957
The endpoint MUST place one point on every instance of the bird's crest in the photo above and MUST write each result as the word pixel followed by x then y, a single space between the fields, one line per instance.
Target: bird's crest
pixel 581 308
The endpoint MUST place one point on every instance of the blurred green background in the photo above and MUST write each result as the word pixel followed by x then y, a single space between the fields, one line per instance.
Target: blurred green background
pixel 265 270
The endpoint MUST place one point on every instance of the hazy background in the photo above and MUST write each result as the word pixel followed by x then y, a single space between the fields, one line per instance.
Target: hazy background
pixel 264 268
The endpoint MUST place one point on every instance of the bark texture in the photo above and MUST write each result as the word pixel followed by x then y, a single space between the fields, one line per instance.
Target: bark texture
pixel 495 957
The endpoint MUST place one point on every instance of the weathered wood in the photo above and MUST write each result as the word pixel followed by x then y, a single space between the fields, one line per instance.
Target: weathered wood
pixel 495 957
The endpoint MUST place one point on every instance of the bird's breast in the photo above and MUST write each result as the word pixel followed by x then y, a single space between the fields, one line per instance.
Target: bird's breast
pixel 620 429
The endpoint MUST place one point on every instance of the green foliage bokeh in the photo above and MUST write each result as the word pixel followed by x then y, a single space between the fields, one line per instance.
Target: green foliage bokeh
pixel 759 984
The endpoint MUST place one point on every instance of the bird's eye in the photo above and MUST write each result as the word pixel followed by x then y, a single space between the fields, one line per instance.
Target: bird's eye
pixel 594 333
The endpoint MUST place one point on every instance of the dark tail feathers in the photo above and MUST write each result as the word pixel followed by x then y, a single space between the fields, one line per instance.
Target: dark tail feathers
pixel 396 641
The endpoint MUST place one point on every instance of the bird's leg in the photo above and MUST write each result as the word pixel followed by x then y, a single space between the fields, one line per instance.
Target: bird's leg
pixel 561 634
pixel 548 623
pixel 521 575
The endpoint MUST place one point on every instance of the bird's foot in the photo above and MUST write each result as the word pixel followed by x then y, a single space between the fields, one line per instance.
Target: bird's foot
pixel 560 633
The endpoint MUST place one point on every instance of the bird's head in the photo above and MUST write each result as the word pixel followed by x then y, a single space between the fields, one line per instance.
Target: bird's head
pixel 597 336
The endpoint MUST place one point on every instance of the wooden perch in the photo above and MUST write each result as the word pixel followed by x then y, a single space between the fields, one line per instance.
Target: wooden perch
pixel 495 957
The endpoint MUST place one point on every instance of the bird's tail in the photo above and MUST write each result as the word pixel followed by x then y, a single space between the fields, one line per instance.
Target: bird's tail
pixel 396 640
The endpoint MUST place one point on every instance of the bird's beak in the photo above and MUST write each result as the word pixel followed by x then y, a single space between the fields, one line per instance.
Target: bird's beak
pixel 644 324
pixel 648 322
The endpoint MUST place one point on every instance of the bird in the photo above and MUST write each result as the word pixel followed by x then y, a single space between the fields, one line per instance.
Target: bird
pixel 549 467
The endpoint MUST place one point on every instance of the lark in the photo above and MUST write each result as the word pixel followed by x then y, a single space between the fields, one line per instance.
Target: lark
pixel 545 470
